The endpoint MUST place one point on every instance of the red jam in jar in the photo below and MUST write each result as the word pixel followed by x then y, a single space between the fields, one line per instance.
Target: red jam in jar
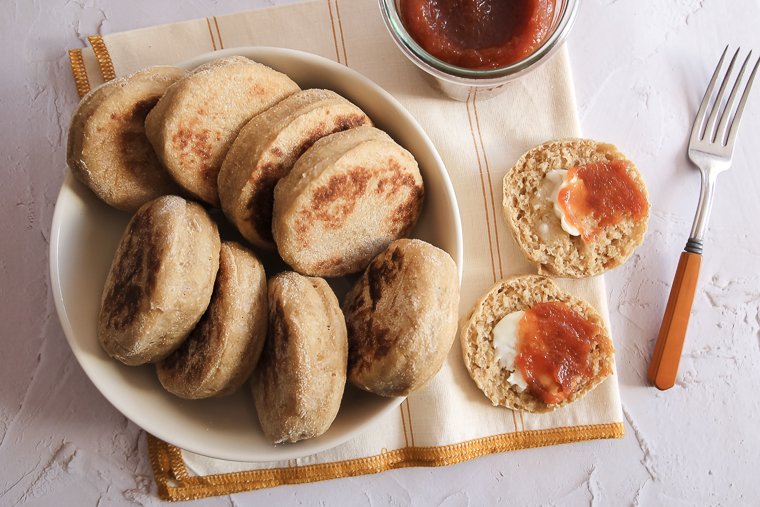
pixel 478 34
pixel 599 195
pixel 554 346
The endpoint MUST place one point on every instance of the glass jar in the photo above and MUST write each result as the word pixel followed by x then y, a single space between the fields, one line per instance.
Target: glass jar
pixel 460 82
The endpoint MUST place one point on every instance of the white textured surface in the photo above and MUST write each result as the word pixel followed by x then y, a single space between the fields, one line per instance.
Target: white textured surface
pixel 640 70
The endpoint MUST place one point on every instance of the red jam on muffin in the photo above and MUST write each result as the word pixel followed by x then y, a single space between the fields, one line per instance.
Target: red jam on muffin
pixel 554 346
pixel 597 195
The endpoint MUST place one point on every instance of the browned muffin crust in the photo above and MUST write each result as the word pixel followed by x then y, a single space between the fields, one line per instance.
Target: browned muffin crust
pixel 266 149
pixel 195 122
pixel 401 317
pixel 107 148
pixel 160 281
pixel 299 381
pixel 344 201
pixel 223 349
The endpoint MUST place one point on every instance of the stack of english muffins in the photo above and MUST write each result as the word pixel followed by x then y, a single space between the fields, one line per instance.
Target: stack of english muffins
pixel 300 173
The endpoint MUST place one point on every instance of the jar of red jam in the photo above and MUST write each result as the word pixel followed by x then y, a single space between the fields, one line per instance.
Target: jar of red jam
pixel 469 46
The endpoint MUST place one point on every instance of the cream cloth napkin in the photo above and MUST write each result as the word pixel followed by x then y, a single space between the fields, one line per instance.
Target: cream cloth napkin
pixel 450 420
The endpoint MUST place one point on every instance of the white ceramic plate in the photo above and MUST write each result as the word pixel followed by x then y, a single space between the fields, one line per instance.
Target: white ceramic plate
pixel 84 237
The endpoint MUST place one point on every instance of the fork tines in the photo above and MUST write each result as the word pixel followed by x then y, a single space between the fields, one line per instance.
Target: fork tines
pixel 704 129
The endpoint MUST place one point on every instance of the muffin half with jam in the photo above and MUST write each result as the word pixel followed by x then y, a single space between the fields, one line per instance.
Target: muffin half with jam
pixel 530 346
pixel 576 207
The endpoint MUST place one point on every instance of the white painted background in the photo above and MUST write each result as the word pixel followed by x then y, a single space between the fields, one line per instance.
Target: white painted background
pixel 640 70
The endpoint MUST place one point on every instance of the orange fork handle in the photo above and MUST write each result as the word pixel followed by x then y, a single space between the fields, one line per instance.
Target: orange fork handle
pixel 667 351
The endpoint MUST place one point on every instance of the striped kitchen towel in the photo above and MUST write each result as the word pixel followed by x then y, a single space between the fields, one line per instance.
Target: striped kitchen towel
pixel 449 421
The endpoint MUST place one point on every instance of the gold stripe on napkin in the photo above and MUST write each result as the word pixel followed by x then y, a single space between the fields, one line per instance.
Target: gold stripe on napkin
pixel 450 420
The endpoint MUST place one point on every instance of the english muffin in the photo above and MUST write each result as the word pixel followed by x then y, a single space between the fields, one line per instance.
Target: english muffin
pixel 266 149
pixel 107 149
pixel 346 198
pixel 576 207
pixel 299 381
pixel 551 354
pixel 222 350
pixel 195 122
pixel 160 281
pixel 401 317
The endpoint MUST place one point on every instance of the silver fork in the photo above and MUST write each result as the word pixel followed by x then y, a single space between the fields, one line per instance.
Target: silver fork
pixel 711 148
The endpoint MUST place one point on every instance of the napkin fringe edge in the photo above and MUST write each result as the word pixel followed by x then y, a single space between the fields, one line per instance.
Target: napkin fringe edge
pixel 103 57
pixel 176 484
pixel 79 71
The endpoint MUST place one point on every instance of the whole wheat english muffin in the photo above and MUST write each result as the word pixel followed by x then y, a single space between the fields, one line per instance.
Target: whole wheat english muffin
pixel 401 318
pixel 529 209
pixel 266 149
pixel 160 281
pixel 346 198
pixel 107 149
pixel 222 350
pixel 299 381
pixel 495 379
pixel 195 122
